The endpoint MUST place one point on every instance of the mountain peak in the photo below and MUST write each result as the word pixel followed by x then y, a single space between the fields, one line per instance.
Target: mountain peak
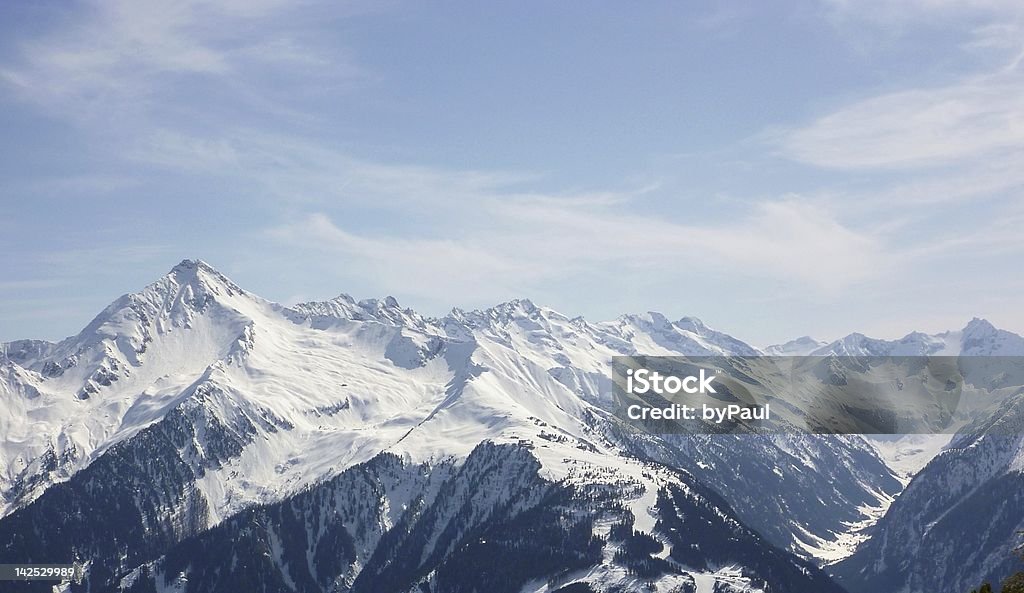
pixel 120 337
pixel 388 302
pixel 692 324
pixel 189 271
pixel 191 264
pixel 801 346
pixel 981 338
pixel 649 319
pixel 977 325
pixel 523 304
pixel 344 307
pixel 516 308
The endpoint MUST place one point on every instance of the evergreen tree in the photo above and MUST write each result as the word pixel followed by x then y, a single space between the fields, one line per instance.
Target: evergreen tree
pixel 1014 583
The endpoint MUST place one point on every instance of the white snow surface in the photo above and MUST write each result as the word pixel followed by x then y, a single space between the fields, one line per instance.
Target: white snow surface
pixel 350 379
pixel 909 453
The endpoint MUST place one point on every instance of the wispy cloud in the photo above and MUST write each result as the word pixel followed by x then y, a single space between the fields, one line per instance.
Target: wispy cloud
pixel 916 12
pixel 118 59
pixel 489 233
pixel 977 118
pixel 935 169
pixel 524 243
pixel 302 170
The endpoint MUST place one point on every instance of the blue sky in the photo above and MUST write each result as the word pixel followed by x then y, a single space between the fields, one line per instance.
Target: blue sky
pixel 776 170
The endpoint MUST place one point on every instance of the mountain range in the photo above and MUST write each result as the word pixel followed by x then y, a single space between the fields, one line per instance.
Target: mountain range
pixel 196 437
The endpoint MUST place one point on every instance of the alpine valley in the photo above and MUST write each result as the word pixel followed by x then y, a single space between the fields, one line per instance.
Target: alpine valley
pixel 195 437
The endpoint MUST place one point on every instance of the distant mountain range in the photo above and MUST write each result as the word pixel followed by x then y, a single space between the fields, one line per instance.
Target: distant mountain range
pixel 196 437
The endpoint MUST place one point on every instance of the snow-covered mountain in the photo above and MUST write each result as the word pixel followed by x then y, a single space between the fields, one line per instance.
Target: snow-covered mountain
pixel 194 409
pixel 977 338
pixel 957 522
pixel 959 519
pixel 802 346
